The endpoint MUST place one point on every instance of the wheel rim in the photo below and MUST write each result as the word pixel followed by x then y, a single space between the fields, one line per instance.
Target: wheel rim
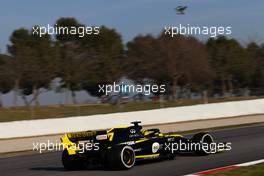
pixel 128 157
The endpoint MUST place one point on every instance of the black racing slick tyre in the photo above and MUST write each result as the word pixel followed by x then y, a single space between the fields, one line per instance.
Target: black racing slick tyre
pixel 205 140
pixel 121 157
pixel 71 162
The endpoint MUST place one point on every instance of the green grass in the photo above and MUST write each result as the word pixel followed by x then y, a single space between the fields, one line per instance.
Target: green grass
pixel 256 170
pixel 43 112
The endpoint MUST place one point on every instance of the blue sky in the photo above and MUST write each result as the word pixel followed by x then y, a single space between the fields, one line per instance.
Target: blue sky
pixel 131 18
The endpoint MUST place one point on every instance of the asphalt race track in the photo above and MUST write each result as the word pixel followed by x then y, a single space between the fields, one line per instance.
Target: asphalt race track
pixel 247 145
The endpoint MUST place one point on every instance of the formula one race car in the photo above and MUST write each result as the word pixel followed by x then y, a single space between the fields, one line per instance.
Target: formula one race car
pixel 120 147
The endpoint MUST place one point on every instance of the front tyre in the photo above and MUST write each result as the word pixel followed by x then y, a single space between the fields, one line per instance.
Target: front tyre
pixel 121 157
pixel 205 140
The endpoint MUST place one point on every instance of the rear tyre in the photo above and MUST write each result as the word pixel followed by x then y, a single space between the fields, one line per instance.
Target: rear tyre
pixel 204 139
pixel 71 162
pixel 121 157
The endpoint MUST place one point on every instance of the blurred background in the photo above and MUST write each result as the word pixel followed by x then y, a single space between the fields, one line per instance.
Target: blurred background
pixel 58 75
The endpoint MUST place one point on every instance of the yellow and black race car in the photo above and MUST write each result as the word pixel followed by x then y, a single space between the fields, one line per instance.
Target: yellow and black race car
pixel 120 147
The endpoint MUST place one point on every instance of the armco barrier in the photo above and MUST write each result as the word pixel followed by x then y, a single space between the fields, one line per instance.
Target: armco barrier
pixel 158 116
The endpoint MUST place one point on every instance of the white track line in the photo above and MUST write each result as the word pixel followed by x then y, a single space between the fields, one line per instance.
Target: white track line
pixel 251 163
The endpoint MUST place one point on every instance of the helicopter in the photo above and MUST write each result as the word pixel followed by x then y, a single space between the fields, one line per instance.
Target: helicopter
pixel 181 10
